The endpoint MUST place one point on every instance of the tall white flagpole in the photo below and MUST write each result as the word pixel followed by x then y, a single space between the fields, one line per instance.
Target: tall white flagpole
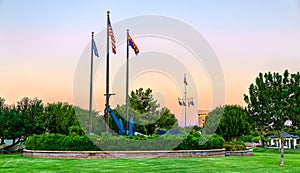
pixel 91 87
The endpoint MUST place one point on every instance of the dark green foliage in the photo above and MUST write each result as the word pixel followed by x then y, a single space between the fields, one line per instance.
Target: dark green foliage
pixel 143 101
pixel 247 138
pixel 147 108
pixel 190 143
pixel 146 113
pixel 213 120
pixel 137 143
pixel 21 120
pixel 256 139
pixel 29 116
pixel 76 130
pixel 59 142
pixel 296 132
pixel 167 120
pixel 32 116
pixel 274 99
pixel 114 143
pixel 60 116
pixel 233 123
pixel 274 103
pixel 235 146
pixel 194 142
pixel 98 124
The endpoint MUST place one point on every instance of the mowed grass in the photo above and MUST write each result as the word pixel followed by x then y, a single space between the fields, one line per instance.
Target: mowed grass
pixel 262 161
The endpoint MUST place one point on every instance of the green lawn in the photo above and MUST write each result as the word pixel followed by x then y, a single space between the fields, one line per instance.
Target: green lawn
pixel 262 161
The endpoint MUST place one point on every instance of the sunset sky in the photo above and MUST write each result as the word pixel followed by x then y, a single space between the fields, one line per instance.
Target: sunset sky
pixel 41 43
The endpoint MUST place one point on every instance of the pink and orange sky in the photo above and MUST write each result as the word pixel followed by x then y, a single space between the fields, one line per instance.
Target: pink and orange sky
pixel 41 43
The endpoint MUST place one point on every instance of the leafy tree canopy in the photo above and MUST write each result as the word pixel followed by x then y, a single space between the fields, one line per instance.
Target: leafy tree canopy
pixel 233 123
pixel 146 113
pixel 274 103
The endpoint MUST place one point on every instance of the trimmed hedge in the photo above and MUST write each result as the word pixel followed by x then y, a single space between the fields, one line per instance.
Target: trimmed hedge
pixel 247 138
pixel 235 146
pixel 201 142
pixel 108 142
pixel 59 142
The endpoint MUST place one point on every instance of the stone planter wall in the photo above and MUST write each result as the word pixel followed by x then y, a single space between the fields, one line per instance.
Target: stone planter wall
pixel 123 154
pixel 239 153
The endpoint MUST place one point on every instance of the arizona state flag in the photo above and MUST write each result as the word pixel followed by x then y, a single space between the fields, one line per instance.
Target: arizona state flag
pixel 133 45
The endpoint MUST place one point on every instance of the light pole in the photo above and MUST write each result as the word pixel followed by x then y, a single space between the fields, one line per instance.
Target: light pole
pixel 185 101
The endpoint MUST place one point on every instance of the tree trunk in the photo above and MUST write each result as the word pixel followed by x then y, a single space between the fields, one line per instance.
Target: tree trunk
pixel 262 142
pixel 282 151
pixel 13 144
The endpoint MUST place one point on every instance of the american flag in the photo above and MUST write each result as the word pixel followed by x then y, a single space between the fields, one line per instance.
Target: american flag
pixel 111 34
pixel 184 81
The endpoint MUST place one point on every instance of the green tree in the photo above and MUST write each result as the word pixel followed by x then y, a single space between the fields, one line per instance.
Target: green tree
pixel 233 123
pixel 147 107
pixel 273 103
pixel 167 120
pixel 14 127
pixel 98 124
pixel 147 115
pixel 20 121
pixel 60 116
pixel 32 116
pixel 143 101
pixel 3 120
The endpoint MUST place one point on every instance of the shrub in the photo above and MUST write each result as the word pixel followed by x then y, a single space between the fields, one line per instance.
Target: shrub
pixel 256 139
pixel 201 142
pixel 126 143
pixel 60 142
pixel 235 146
pixel 247 138
pixel 76 130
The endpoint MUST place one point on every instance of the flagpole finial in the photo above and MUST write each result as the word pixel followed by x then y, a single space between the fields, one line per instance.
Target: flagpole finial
pixel 108 12
pixel 92 33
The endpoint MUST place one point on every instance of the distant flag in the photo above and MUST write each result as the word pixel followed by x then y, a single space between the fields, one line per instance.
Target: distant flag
pixel 192 102
pixel 95 49
pixel 111 34
pixel 179 102
pixel 133 45
pixel 188 103
pixel 183 103
pixel 184 81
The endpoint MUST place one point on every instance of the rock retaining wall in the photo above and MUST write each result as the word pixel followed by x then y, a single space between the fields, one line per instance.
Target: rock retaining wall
pixel 123 154
pixel 239 153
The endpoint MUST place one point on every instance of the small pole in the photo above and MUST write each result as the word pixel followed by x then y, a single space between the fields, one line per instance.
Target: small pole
pixel 127 82
pixel 185 102
pixel 91 87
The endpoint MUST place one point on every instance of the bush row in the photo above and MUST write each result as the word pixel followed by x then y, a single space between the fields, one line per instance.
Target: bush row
pixel 250 138
pixel 235 146
pixel 201 142
pixel 163 142
pixel 59 142
pixel 107 142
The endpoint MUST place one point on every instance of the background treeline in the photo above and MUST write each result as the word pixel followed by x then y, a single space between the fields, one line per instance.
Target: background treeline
pixel 31 116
